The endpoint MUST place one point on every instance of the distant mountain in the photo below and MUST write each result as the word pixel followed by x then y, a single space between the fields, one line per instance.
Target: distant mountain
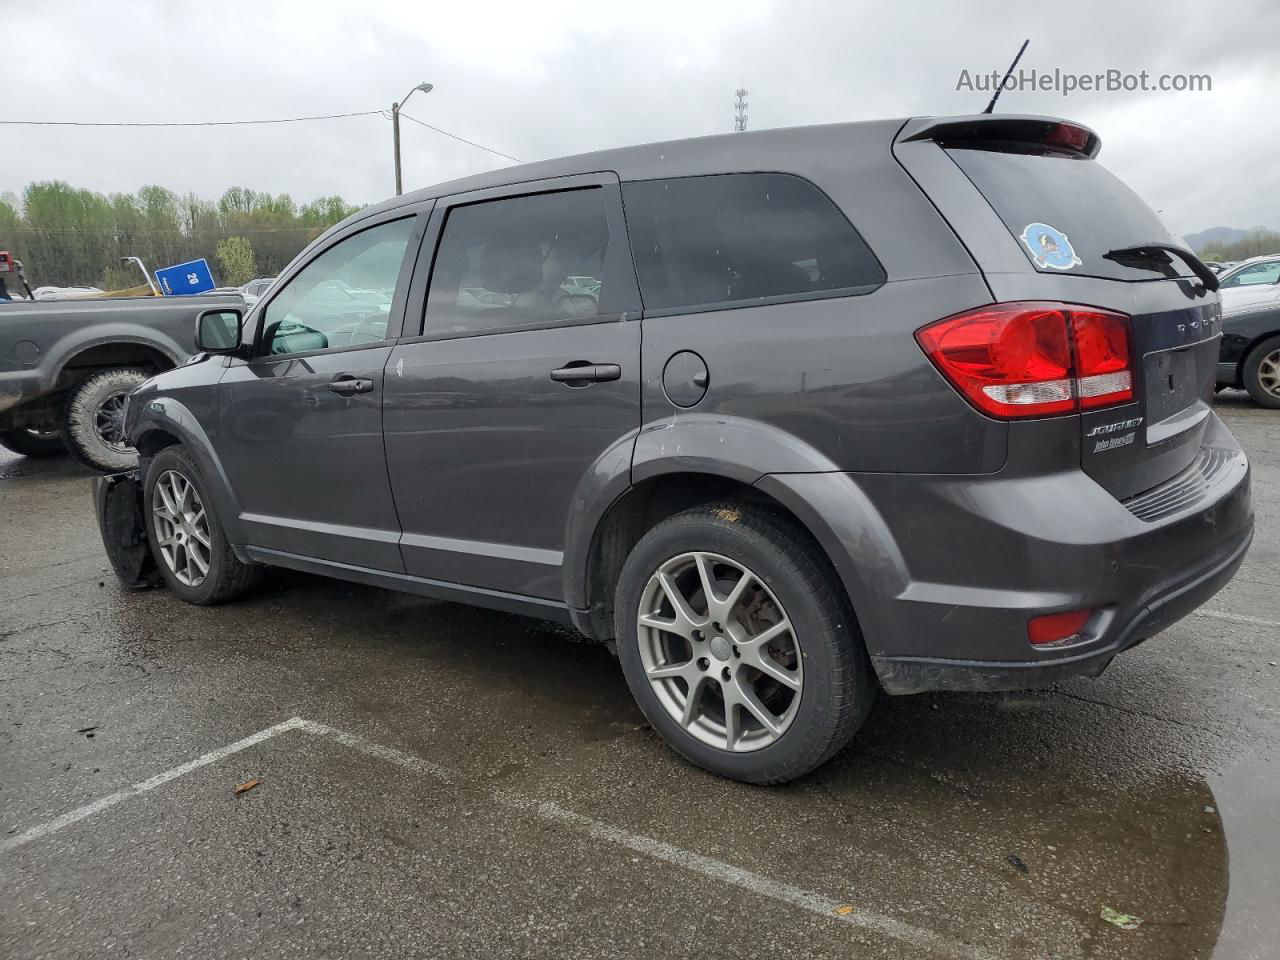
pixel 1216 235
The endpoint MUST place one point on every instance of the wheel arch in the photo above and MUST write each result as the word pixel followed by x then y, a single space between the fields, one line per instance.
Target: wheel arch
pixel 691 458
pixel 636 510
pixel 164 421
pixel 828 509
pixel 116 346
pixel 1251 346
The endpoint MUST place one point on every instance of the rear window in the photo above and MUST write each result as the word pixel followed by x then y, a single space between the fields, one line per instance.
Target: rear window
pixel 1071 196
pixel 740 239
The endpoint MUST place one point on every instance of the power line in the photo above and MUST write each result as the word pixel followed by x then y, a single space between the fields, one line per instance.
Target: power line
pixel 241 123
pixel 185 123
pixel 454 136
pixel 144 231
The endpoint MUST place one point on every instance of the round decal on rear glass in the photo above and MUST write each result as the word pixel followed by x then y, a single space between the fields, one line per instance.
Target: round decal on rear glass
pixel 1049 246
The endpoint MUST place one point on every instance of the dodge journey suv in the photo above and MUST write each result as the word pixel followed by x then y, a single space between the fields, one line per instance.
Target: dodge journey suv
pixel 785 416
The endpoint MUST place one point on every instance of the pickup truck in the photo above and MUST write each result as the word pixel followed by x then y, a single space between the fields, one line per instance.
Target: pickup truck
pixel 66 368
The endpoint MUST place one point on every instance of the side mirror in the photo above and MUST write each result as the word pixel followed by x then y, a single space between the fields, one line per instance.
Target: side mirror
pixel 218 331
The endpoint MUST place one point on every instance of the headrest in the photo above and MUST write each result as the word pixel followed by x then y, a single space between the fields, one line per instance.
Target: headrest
pixel 511 265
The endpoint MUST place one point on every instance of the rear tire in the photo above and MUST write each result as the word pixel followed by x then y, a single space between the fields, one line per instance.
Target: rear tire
pixel 33 444
pixel 817 684
pixel 94 425
pixel 1261 373
pixel 187 541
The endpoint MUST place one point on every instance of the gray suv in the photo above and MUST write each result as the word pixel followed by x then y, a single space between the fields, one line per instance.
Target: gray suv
pixel 785 416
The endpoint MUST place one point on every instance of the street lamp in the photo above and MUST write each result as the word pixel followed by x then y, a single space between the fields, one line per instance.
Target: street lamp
pixel 395 128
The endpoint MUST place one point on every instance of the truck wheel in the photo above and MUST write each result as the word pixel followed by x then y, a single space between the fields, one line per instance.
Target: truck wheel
pixel 186 538
pixel 95 419
pixel 32 442
pixel 739 644
pixel 1262 373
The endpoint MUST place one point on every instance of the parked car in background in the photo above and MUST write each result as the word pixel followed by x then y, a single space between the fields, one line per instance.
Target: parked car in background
pixel 1253 282
pixel 1249 356
pixel 66 367
pixel 903 420
pixel 1215 265
pixel 254 289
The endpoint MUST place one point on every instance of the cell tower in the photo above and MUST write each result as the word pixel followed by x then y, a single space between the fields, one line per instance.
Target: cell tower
pixel 740 111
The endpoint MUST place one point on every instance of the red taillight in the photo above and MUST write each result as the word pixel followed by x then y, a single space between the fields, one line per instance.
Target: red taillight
pixel 1103 377
pixel 1031 359
pixel 1057 627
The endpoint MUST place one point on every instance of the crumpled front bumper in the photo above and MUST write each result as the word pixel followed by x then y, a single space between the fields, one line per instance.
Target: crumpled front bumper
pixel 117 501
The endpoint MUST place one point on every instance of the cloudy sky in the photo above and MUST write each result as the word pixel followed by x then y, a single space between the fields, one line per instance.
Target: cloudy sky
pixel 543 79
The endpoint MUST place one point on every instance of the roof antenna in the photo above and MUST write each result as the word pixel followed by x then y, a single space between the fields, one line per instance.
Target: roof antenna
pixel 1008 73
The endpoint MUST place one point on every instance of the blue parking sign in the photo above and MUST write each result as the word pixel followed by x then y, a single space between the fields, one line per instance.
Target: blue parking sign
pixel 185 278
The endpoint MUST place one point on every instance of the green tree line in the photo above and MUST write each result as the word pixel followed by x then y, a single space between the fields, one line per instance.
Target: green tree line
pixel 1258 242
pixel 67 236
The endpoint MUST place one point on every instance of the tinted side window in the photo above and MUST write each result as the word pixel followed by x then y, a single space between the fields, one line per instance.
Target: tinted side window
pixel 521 262
pixel 741 238
pixel 342 298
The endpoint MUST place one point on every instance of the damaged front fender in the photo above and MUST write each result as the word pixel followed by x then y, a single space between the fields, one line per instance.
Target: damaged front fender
pixel 117 500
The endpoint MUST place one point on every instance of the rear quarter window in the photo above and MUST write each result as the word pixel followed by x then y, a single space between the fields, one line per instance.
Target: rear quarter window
pixel 729 240
pixel 1075 196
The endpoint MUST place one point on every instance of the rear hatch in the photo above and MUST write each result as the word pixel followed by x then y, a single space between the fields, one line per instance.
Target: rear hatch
pixel 1086 238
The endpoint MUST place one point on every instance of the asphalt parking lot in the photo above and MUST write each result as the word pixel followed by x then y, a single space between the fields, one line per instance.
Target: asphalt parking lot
pixel 437 780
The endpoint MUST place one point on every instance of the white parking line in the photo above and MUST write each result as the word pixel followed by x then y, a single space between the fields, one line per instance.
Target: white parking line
pixel 159 780
pixel 925 940
pixel 917 937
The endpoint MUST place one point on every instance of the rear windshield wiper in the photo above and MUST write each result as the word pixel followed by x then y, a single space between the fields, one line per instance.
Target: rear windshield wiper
pixel 1160 253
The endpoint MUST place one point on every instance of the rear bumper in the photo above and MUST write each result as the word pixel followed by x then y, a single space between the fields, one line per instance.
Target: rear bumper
pixel 945 572
pixel 919 674
pixel 1228 374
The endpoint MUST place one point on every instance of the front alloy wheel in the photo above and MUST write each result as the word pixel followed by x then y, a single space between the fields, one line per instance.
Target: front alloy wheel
pixel 719 652
pixel 182 528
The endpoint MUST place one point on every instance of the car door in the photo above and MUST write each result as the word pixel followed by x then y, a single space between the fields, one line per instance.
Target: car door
pixel 525 376
pixel 301 419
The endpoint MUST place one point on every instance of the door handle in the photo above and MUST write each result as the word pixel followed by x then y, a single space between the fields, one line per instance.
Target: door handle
pixel 347 386
pixel 581 373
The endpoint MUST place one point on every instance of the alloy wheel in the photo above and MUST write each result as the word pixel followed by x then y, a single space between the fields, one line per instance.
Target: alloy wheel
pixel 182 528
pixel 720 652
pixel 108 420
pixel 1269 373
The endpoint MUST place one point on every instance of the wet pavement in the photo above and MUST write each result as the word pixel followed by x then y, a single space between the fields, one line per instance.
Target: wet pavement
pixel 437 780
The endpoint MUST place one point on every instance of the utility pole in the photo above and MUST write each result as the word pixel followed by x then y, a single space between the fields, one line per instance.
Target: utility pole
pixel 395 142
pixel 740 111
pixel 395 129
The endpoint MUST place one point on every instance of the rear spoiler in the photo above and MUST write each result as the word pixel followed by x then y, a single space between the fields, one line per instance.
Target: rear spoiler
pixel 994 129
